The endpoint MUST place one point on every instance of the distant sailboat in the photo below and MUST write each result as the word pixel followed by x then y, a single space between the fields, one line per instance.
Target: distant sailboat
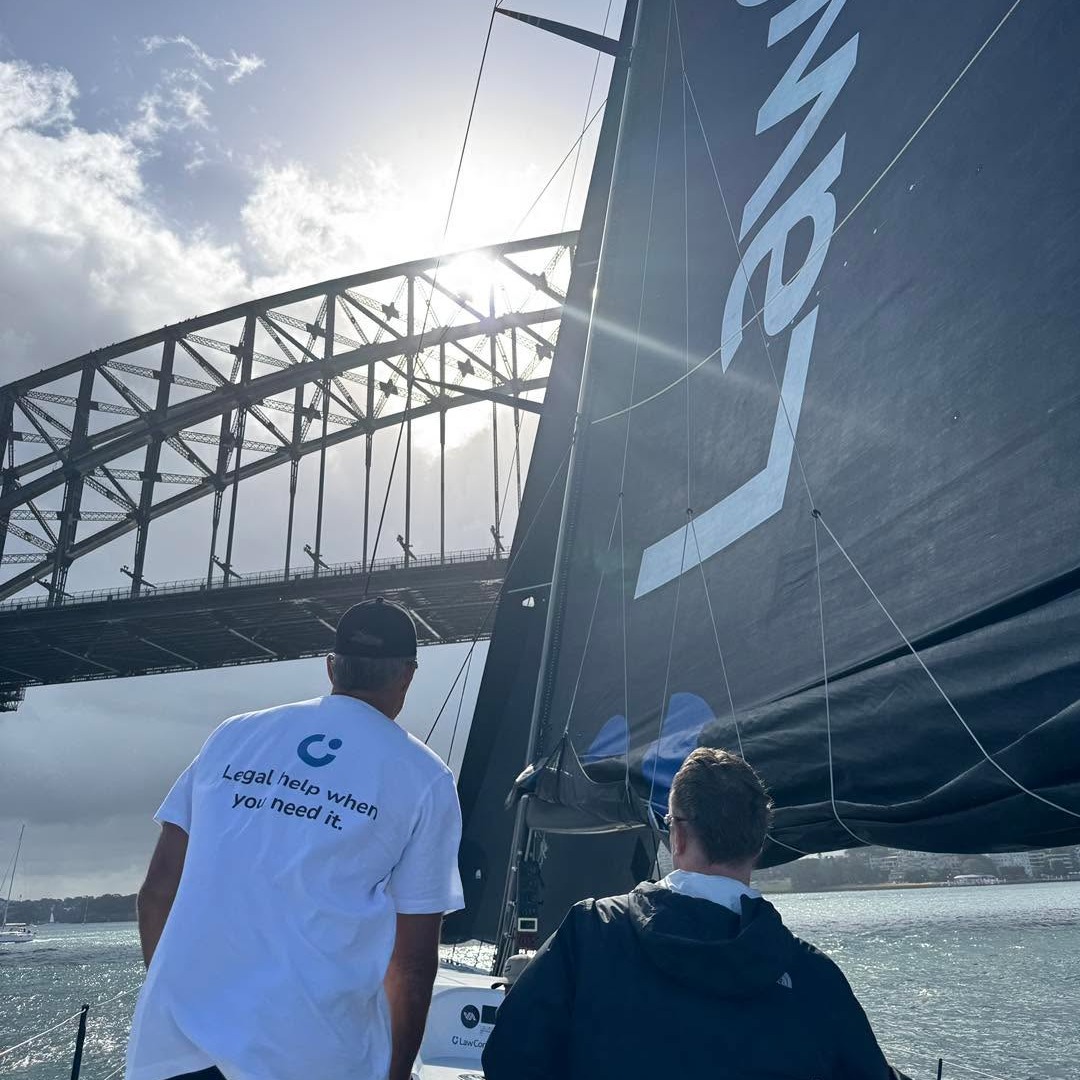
pixel 14 933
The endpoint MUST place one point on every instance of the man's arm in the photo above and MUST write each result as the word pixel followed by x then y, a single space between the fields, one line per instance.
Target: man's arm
pixel 158 891
pixel 532 1028
pixel 408 984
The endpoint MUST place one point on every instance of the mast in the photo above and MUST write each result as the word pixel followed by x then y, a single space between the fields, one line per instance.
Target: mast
pixel 11 880
pixel 595 219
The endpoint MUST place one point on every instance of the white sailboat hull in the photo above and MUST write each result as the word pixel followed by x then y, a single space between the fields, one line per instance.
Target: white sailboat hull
pixel 463 1006
pixel 15 935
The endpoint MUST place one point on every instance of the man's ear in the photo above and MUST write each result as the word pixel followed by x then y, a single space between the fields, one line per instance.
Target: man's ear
pixel 677 838
pixel 330 667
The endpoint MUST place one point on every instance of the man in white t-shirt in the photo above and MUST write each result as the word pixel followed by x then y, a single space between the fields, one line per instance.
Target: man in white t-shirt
pixel 290 917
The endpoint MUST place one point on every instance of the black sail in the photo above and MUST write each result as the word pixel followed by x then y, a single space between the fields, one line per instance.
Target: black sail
pixel 498 744
pixel 825 503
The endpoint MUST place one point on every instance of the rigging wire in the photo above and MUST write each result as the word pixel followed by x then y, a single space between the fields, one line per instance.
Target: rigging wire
pixel 588 105
pixel 461 702
pixel 517 550
pixel 617 517
pixel 689 458
pixel 431 294
pixel 558 168
pixel 843 221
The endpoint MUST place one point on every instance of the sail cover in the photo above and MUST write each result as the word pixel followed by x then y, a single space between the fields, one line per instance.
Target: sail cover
pixel 824 505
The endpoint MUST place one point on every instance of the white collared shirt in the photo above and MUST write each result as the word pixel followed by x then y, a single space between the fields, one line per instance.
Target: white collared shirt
pixel 715 887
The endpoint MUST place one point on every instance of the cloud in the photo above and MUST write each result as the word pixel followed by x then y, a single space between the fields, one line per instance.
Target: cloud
pixel 179 102
pixel 34 97
pixel 77 221
pixel 309 227
pixel 238 66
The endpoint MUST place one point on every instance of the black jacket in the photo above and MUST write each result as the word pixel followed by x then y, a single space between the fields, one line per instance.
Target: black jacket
pixel 657 984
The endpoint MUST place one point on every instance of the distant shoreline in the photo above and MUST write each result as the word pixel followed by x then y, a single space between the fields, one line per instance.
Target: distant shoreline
pixel 767 887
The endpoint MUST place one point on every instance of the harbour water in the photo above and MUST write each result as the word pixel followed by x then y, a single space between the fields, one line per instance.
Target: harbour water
pixel 987 978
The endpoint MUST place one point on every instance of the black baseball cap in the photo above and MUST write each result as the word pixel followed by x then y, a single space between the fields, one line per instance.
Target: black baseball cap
pixel 376 630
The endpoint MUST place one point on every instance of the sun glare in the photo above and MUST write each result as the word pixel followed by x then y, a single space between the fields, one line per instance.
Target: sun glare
pixel 472 276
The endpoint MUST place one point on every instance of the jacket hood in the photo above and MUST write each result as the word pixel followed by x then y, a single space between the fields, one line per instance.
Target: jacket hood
pixel 709 947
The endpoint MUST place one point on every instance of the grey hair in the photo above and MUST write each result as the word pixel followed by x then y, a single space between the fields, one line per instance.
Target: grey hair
pixel 361 674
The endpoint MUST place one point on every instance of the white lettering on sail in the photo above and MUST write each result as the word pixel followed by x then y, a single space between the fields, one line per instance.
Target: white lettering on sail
pixel 762 496
pixel 795 90
pixel 783 302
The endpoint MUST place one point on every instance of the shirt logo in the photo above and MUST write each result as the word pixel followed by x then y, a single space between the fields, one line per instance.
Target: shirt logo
pixel 470 1016
pixel 785 980
pixel 315 761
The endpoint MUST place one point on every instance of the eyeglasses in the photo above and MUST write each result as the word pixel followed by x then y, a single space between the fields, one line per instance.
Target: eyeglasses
pixel 669 818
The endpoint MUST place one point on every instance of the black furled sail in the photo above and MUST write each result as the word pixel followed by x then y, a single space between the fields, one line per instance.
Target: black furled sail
pixel 823 503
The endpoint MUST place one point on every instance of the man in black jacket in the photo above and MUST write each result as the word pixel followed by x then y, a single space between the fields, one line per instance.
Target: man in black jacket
pixel 695 976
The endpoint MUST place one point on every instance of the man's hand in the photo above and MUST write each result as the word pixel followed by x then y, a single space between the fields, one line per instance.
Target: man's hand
pixel 408 984
pixel 158 891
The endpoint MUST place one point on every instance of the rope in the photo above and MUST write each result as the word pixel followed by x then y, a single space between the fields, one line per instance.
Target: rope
pixel 716 638
pixel 757 320
pixel 825 678
pixel 592 620
pixel 937 686
pixel 843 221
pixel 667 673
pixel 789 847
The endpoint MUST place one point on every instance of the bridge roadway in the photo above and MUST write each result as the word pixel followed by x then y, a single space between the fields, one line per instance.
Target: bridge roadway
pixel 187 626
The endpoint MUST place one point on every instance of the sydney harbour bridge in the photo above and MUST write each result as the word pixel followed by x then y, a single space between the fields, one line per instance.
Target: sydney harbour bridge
pixel 175 438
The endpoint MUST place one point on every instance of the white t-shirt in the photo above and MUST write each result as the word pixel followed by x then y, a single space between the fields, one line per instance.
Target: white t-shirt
pixel 311 826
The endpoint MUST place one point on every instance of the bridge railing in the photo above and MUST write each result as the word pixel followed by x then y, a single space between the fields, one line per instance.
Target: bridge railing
pixel 264 577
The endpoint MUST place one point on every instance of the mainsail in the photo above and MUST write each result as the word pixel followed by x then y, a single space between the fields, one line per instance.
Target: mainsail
pixel 823 505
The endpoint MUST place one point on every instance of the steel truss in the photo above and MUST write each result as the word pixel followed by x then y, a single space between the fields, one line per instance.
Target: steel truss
pixel 133 432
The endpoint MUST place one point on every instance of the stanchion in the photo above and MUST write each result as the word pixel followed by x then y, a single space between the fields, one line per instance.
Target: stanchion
pixel 80 1038
pixel 940 1062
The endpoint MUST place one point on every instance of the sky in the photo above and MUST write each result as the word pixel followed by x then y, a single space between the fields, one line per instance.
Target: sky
pixel 163 161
